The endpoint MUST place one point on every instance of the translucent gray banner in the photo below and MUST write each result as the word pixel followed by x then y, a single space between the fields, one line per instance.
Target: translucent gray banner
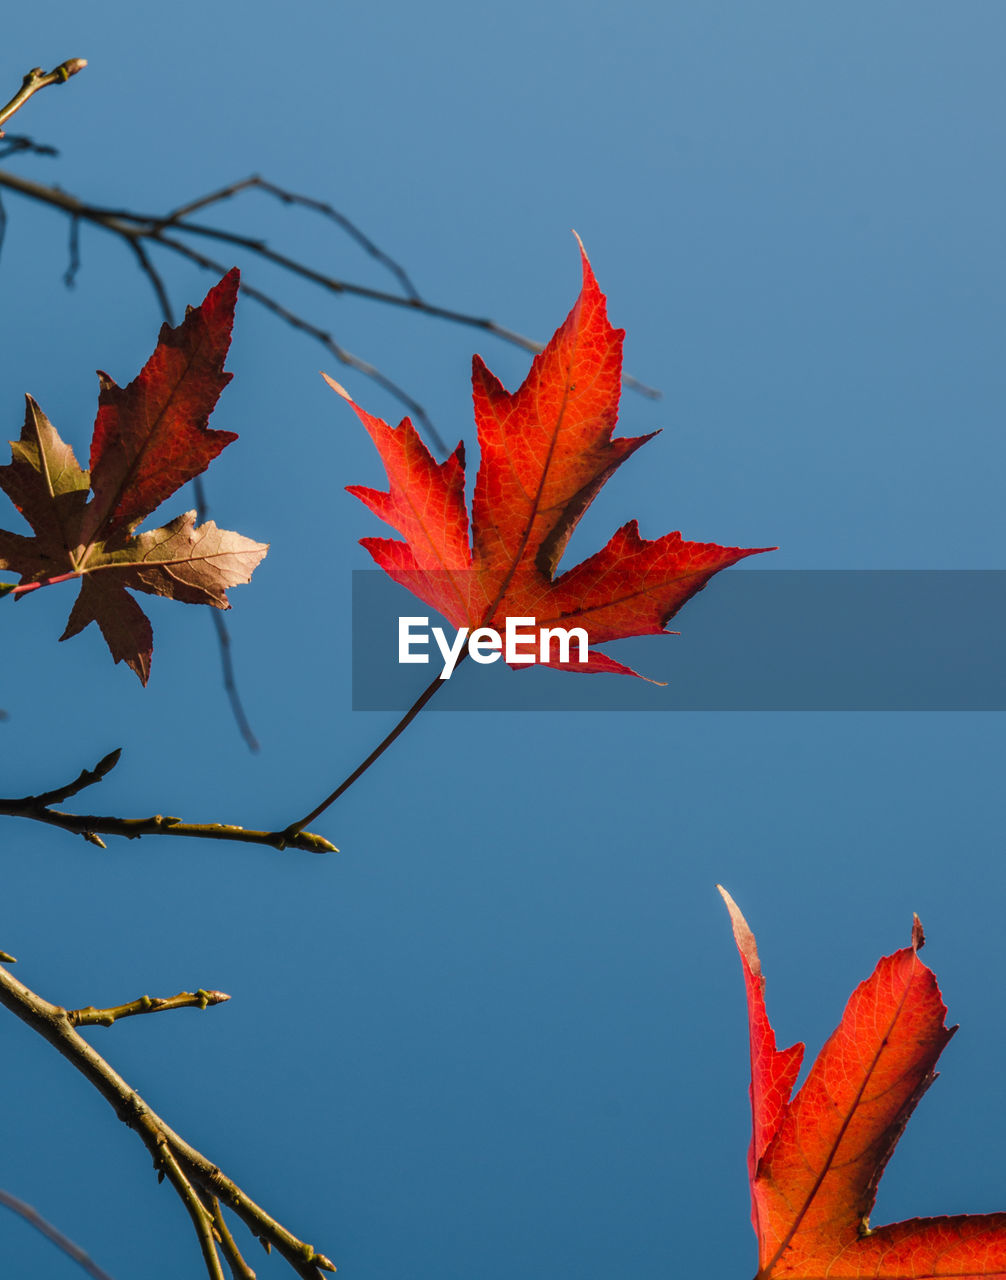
pixel 753 640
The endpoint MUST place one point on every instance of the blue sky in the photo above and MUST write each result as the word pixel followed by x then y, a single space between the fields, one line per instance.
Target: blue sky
pixel 503 1032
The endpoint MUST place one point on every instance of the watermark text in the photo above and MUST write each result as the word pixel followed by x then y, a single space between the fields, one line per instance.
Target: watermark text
pixel 522 642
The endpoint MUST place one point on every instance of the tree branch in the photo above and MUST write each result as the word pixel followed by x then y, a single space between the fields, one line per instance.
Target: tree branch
pixel 240 1270
pixel 308 202
pixel 92 1017
pixel 38 79
pixel 202 1219
pixel 86 778
pixel 191 1173
pixel 15 142
pixel 35 1219
pixel 133 228
pixel 92 826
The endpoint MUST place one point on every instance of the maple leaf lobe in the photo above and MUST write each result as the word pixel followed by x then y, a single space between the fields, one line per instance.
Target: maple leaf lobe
pixel 124 625
pixel 816 1160
pixel 151 436
pixel 545 451
pixel 48 487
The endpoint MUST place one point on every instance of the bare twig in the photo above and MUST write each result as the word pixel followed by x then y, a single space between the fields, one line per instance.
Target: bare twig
pixel 160 291
pixel 92 1017
pixel 240 1270
pixel 73 266
pixel 86 778
pixel 202 1219
pixel 38 79
pixel 18 142
pixel 230 680
pixel 297 322
pixel 308 202
pixel 191 1173
pixel 132 227
pixel 51 1233
pixel 91 826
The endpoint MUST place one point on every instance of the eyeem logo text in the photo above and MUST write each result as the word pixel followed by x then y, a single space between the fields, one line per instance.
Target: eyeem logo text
pixel 523 641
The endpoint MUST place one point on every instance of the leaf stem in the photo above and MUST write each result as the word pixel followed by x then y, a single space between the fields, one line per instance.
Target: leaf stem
pixel 295 828
pixel 25 587
pixel 38 79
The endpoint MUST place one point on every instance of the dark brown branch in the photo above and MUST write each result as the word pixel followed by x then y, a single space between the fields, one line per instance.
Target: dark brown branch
pixel 230 680
pixel 308 202
pixel 92 826
pixel 313 331
pixel 134 229
pixel 86 778
pixel 156 283
pixel 191 1173
pixel 73 266
pixel 131 226
pixel 14 143
pixel 51 1233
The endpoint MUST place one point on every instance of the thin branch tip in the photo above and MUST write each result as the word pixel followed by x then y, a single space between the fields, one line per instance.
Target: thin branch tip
pixel 37 79
pixel 39 808
pixel 53 1235
pixel 94 1017
pixel 107 763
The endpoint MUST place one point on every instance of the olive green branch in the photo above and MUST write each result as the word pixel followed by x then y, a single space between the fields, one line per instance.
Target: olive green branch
pixel 91 826
pixel 201 1185
pixel 38 79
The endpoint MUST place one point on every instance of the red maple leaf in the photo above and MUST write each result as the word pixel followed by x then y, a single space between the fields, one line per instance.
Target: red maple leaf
pixel 149 439
pixel 816 1159
pixel 546 451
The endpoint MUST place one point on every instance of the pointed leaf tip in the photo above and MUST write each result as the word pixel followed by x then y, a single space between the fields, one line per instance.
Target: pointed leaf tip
pixel 918 937
pixel 588 270
pixel 337 387
pixel 743 936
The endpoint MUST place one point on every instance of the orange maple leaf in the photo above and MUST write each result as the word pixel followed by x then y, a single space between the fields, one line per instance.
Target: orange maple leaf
pixel 546 450
pixel 816 1159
